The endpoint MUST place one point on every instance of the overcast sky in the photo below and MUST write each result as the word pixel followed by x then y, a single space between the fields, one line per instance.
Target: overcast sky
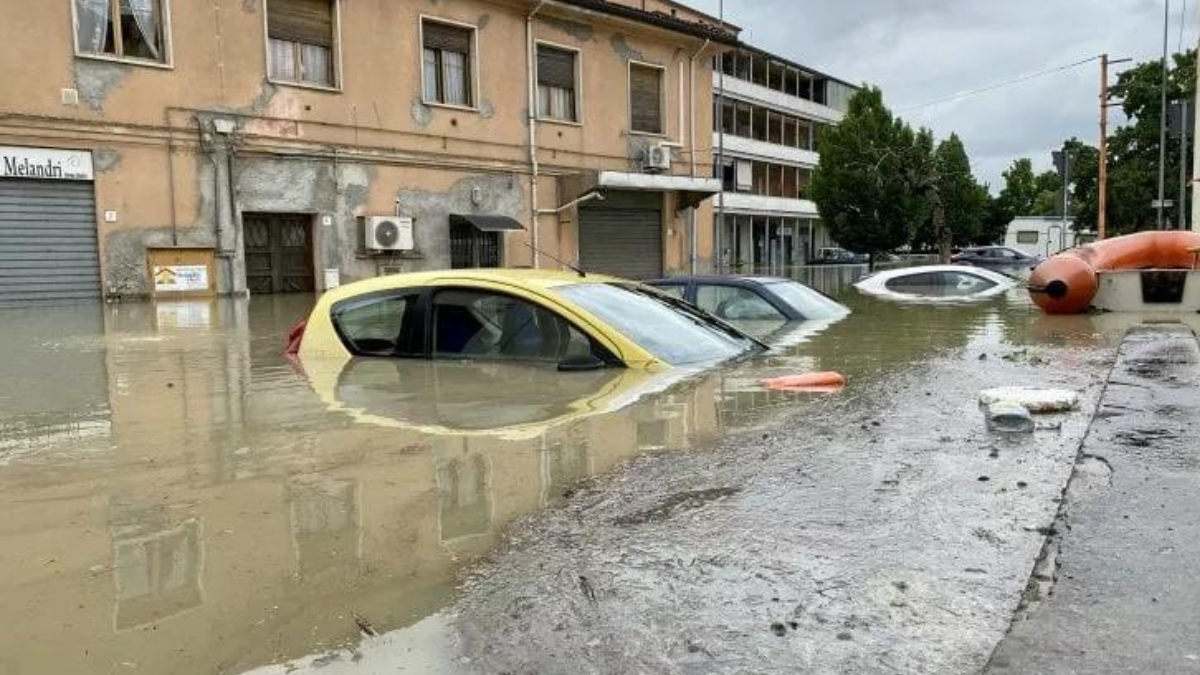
pixel 919 51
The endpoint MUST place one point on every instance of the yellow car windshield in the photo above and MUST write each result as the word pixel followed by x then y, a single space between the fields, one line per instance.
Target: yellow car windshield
pixel 675 335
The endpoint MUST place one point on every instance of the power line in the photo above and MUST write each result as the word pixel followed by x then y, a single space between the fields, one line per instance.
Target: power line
pixel 999 85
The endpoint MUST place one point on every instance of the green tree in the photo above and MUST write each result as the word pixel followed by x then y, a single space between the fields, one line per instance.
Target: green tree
pixel 1020 188
pixel 1085 167
pixel 962 197
pixel 954 202
pixel 1047 200
pixel 996 218
pixel 859 185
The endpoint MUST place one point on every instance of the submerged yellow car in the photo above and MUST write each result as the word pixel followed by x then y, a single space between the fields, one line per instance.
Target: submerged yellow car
pixel 571 320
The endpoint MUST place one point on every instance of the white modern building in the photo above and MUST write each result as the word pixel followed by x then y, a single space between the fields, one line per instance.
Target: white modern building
pixel 768 112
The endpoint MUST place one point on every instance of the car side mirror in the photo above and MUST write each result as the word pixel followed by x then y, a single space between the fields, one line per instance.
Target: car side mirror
pixel 581 363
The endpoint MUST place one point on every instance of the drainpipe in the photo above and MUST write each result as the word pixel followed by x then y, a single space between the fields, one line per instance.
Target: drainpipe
pixel 695 245
pixel 530 61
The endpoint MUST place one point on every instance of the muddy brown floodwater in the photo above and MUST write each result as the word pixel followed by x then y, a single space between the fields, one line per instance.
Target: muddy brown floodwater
pixel 176 497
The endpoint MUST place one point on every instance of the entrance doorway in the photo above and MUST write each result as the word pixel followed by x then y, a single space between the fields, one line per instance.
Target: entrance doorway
pixel 279 253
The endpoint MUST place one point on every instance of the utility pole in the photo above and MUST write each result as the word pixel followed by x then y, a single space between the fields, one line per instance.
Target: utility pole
pixel 1162 122
pixel 1196 162
pixel 1102 183
pixel 1102 200
pixel 1183 153
pixel 1062 161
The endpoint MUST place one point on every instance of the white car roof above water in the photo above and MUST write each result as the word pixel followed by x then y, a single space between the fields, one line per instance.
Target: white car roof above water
pixel 876 284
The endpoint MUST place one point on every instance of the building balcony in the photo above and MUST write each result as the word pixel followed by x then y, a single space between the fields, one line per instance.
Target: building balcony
pixel 758 94
pixel 760 205
pixel 749 148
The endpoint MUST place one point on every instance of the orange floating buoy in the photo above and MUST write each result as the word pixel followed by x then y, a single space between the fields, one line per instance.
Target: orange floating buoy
pixel 825 382
pixel 1066 283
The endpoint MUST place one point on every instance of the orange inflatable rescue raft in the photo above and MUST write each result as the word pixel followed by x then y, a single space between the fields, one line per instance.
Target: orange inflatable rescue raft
pixel 1066 283
pixel 807 382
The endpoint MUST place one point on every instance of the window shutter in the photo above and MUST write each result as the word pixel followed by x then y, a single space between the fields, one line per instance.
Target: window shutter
pixel 446 37
pixel 645 94
pixel 306 21
pixel 556 68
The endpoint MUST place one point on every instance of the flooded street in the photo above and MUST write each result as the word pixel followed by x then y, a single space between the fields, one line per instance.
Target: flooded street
pixel 175 491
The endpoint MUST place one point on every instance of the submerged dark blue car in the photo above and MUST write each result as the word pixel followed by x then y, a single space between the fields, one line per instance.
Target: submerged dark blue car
pixel 747 298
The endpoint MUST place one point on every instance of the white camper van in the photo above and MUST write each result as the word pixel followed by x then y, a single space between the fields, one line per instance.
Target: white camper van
pixel 1044 235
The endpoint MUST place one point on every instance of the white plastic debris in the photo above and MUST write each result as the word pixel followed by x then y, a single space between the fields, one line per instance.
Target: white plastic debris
pixel 1034 400
pixel 1008 417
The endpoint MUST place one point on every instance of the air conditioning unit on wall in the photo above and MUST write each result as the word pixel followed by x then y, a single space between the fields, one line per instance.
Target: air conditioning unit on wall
pixel 388 233
pixel 658 158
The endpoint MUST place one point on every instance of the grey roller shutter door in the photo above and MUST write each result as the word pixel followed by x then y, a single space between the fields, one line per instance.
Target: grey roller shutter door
pixel 48 248
pixel 622 236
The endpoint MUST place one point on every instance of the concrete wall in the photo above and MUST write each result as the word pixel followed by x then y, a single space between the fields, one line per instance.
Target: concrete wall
pixel 356 150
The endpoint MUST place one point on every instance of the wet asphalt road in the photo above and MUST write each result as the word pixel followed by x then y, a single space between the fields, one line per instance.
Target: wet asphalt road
pixel 1123 587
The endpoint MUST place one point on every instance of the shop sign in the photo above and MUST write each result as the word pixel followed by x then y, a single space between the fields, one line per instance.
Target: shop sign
pixel 180 278
pixel 45 163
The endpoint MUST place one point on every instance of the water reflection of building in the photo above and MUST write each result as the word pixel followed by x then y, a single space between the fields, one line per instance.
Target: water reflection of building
pixel 238 521
pixel 55 394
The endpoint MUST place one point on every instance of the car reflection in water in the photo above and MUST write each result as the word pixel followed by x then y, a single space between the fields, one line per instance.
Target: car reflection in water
pixel 508 400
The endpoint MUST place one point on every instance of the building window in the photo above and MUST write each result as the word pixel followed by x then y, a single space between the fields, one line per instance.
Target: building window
pixel 446 66
pixel 557 92
pixel 645 98
pixel 124 29
pixel 745 120
pixel 300 41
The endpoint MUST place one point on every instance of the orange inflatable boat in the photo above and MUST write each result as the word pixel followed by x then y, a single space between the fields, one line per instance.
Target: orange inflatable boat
pixel 1066 283
pixel 826 382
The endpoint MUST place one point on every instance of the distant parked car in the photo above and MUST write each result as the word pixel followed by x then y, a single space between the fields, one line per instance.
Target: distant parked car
pixel 742 299
pixel 837 256
pixel 995 256
pixel 936 283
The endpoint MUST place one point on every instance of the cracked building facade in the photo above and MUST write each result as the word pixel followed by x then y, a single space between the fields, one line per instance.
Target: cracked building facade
pixel 265 145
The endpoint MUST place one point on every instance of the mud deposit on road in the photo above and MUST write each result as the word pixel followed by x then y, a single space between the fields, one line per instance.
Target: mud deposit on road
pixel 879 531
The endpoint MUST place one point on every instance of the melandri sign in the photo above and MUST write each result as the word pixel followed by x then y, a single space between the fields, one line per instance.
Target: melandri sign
pixel 45 163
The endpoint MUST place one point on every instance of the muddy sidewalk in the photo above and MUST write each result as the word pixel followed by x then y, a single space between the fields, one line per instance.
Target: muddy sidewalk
pixel 881 531
pixel 1120 588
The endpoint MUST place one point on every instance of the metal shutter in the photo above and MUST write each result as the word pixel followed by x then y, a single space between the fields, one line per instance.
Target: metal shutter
pixel 446 37
pixel 622 235
pixel 645 98
pixel 306 21
pixel 48 248
pixel 556 67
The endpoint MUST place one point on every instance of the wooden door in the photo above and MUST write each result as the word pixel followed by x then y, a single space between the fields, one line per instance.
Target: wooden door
pixel 279 253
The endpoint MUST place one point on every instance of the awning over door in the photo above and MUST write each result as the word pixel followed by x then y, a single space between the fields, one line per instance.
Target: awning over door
pixel 690 190
pixel 487 223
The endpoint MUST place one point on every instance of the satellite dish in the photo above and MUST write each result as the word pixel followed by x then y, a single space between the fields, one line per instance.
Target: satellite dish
pixel 387 233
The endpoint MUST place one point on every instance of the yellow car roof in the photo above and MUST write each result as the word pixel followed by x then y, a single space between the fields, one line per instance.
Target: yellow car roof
pixel 537 278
